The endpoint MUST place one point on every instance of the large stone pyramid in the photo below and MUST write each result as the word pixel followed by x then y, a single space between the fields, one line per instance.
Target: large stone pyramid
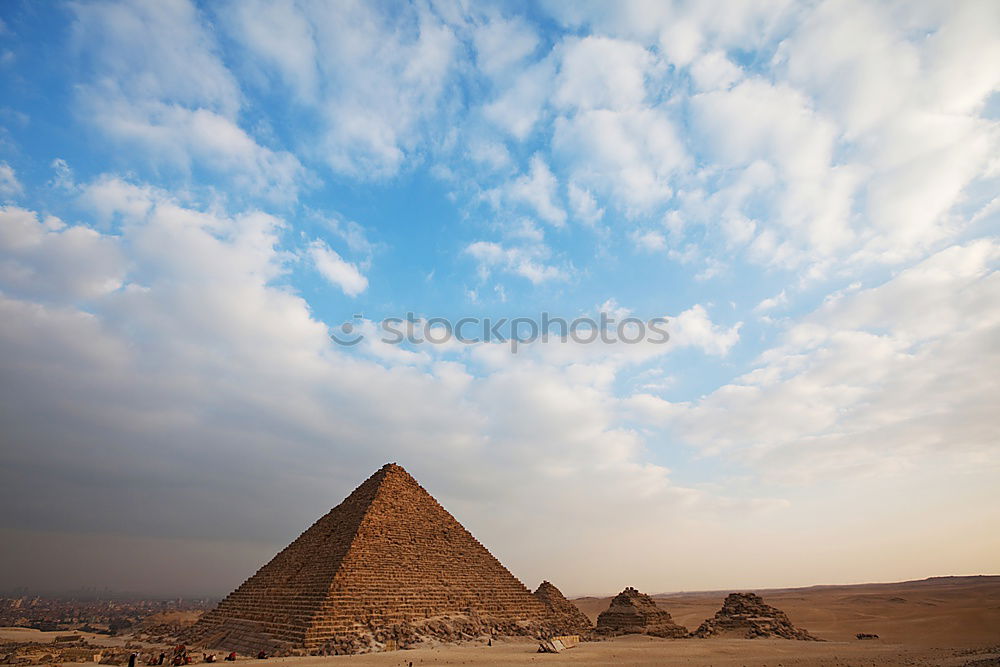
pixel 387 565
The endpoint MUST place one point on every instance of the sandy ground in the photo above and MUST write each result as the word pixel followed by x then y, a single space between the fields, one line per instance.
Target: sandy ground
pixel 943 612
pixel 639 650
pixel 943 622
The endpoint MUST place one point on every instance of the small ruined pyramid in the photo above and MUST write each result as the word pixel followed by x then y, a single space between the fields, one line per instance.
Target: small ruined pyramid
pixel 632 612
pixel 746 616
pixel 388 565
pixel 568 615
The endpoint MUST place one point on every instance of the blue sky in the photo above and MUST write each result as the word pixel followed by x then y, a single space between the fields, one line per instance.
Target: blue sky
pixel 194 196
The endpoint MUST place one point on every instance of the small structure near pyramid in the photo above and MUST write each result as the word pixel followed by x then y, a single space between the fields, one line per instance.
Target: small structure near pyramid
pixel 567 614
pixel 632 612
pixel 387 567
pixel 747 616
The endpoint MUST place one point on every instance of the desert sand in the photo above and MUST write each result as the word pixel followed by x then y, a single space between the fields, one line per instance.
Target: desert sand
pixel 641 650
pixel 943 611
pixel 942 621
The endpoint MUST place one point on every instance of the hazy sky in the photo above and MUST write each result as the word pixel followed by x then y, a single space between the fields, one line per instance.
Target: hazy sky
pixel 196 196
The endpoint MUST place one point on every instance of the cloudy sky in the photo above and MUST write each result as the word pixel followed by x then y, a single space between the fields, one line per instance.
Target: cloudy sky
pixel 194 197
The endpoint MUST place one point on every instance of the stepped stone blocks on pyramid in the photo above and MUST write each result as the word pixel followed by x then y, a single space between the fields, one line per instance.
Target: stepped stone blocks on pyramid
pixel 568 614
pixel 746 616
pixel 389 565
pixel 632 612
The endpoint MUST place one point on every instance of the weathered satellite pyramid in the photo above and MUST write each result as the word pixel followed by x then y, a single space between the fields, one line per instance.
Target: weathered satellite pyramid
pixel 632 612
pixel 746 616
pixel 386 566
pixel 569 616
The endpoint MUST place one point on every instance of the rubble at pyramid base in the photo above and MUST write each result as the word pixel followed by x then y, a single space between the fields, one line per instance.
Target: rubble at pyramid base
pixel 446 628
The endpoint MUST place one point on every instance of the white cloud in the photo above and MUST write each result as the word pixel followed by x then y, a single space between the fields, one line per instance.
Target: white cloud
pixel 628 157
pixel 47 259
pixel 185 137
pixel 584 205
pixel 650 241
pixel 906 90
pixel 335 269
pixel 63 179
pixel 694 328
pixel 373 83
pixel 283 38
pixel 926 163
pixel 517 86
pixel 714 70
pixel 160 85
pixel 110 196
pixel 539 190
pixel 349 231
pixel 502 44
pixel 493 154
pixel 770 303
pixel 681 41
pixel 160 51
pixel 861 139
pixel 757 120
pixel 379 95
pixel 600 73
pixel 10 187
pixel 866 63
pixel 869 383
pixel 962 58
pixel 756 126
pixel 518 106
pixel 681 30
pixel 525 261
